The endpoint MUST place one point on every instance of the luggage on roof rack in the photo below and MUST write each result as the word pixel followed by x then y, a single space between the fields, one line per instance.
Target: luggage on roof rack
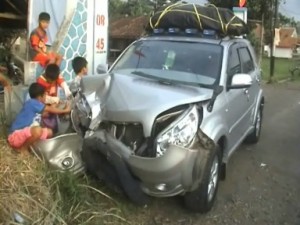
pixel 186 15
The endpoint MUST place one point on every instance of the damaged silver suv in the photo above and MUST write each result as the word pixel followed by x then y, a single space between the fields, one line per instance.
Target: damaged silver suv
pixel 168 115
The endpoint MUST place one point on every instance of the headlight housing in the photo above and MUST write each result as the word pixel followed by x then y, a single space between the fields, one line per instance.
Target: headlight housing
pixel 181 132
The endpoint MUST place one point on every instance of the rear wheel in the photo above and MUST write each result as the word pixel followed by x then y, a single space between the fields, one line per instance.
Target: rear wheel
pixel 254 136
pixel 202 199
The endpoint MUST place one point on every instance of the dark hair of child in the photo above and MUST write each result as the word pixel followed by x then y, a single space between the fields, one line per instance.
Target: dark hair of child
pixel 78 63
pixel 44 16
pixel 52 72
pixel 36 90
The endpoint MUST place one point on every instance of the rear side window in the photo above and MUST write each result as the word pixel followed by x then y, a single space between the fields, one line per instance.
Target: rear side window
pixel 246 60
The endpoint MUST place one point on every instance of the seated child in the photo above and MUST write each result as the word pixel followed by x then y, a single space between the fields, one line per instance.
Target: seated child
pixel 38 40
pixel 79 65
pixel 27 129
pixel 51 81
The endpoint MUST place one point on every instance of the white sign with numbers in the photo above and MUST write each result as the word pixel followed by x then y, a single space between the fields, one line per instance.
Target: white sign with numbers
pixel 97 35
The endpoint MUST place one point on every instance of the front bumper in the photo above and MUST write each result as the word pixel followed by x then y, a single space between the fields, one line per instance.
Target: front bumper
pixel 61 153
pixel 179 170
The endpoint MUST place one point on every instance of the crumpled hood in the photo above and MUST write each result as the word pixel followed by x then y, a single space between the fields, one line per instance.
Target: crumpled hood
pixel 138 99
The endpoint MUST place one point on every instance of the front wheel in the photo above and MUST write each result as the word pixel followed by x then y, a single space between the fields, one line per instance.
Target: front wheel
pixel 202 199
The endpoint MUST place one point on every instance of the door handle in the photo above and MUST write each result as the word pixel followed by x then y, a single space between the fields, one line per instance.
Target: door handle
pixel 246 92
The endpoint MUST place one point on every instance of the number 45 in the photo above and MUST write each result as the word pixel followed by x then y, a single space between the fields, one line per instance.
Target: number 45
pixel 100 43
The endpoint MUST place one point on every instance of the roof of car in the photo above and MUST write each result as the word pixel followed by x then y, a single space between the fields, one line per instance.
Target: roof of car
pixel 223 41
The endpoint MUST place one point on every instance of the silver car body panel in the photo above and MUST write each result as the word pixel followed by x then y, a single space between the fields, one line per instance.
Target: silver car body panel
pixel 147 100
pixel 179 170
pixel 61 153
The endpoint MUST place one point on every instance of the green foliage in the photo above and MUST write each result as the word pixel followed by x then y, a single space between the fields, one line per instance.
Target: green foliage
pixel 74 195
pixel 260 10
pixel 119 8
pixel 284 20
pixel 115 8
pixel 255 42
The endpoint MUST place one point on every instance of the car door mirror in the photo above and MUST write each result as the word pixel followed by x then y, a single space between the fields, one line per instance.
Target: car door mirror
pixel 240 81
pixel 101 69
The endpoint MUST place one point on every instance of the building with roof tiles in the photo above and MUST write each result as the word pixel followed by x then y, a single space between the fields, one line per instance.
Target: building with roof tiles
pixel 124 31
pixel 286 42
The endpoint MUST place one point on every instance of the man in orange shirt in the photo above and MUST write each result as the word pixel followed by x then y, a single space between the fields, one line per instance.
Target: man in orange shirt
pixel 38 40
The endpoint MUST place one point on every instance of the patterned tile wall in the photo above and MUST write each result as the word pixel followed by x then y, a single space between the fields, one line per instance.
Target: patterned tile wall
pixel 74 43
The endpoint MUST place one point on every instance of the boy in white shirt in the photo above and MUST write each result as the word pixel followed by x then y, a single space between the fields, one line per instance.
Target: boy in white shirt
pixel 79 65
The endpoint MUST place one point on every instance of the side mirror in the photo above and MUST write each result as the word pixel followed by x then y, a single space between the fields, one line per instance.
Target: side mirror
pixel 101 69
pixel 240 81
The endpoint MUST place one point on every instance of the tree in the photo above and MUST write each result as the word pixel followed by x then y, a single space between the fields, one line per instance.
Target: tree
pixel 116 8
pixel 287 21
pixel 298 27
pixel 257 10
pixel 134 7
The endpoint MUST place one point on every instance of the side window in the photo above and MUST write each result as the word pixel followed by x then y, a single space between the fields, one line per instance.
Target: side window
pixel 246 59
pixel 234 65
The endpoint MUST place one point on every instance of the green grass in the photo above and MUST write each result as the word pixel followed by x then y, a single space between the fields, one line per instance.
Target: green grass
pixel 41 196
pixel 281 70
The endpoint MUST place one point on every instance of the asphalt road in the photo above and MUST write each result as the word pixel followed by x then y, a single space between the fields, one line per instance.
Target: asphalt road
pixel 263 181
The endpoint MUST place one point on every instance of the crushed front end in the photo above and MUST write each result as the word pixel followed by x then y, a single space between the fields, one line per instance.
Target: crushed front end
pixel 168 162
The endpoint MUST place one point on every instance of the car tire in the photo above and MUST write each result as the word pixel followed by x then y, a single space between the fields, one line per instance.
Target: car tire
pixel 254 136
pixel 202 199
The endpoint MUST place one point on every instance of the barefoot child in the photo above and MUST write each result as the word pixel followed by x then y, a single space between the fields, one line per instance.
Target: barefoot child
pixel 27 129
pixel 38 41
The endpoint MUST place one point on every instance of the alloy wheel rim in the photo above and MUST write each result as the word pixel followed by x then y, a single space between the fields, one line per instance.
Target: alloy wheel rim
pixel 213 179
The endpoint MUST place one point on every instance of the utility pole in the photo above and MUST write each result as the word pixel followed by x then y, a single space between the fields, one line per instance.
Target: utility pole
pixel 262 33
pixel 273 27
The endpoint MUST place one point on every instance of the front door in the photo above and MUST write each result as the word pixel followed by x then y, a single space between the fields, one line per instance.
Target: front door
pixel 238 100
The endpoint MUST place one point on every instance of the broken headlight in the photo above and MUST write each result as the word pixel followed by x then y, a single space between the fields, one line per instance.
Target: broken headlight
pixel 181 132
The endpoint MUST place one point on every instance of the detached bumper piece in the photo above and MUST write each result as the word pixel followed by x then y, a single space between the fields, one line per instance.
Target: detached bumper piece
pixel 109 166
pixel 61 153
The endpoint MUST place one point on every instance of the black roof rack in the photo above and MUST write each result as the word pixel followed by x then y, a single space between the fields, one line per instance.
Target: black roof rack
pixel 191 32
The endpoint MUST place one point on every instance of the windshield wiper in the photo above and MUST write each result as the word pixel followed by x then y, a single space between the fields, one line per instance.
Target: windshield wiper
pixel 169 81
pixel 159 79
pixel 217 90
